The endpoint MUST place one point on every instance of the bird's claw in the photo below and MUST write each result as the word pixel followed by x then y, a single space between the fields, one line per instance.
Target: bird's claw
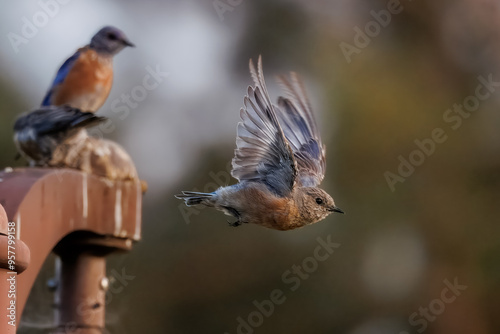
pixel 235 224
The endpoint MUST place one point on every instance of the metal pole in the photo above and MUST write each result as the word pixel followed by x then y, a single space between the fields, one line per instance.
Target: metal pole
pixel 82 283
pixel 80 297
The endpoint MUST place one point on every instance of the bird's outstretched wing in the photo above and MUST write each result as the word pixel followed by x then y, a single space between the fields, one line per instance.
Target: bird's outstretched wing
pixel 263 153
pixel 297 121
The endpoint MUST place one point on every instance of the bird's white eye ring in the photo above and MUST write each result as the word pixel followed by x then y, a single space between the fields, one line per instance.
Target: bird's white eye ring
pixel 319 201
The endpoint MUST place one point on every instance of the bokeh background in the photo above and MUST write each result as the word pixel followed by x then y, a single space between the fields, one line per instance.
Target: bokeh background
pixel 398 247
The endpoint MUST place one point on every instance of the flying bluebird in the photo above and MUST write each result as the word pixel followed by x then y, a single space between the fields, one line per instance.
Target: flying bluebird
pixel 55 136
pixel 279 162
pixel 85 79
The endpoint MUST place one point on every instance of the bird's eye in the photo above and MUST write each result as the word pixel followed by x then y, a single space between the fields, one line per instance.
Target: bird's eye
pixel 319 201
pixel 112 36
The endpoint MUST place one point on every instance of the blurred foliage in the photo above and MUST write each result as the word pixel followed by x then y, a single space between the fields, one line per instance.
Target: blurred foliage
pixel 11 107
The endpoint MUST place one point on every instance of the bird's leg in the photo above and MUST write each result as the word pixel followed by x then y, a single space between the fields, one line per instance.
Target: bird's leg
pixel 233 213
pixel 235 224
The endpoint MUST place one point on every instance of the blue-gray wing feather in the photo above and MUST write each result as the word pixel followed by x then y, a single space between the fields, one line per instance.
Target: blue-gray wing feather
pixel 62 73
pixel 263 153
pixel 297 121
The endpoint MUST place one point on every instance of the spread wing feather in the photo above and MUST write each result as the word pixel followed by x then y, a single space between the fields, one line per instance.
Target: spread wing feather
pixel 300 128
pixel 263 153
pixel 278 145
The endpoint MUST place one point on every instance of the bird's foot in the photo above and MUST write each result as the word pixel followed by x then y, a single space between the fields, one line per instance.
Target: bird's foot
pixel 235 224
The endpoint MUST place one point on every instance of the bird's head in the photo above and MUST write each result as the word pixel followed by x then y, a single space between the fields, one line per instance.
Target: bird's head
pixel 110 40
pixel 315 204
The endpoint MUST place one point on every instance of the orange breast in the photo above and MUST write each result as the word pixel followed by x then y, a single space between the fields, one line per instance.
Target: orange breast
pixel 88 84
pixel 271 211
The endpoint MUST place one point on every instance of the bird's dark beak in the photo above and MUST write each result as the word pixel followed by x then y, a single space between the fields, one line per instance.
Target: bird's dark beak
pixel 336 209
pixel 126 42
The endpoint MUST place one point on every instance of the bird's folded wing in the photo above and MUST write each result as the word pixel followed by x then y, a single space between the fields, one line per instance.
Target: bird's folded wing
pixel 263 153
pixel 297 121
pixel 47 120
pixel 38 133
pixel 60 76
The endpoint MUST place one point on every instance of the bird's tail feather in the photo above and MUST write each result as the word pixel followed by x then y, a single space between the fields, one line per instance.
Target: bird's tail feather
pixel 87 119
pixel 194 198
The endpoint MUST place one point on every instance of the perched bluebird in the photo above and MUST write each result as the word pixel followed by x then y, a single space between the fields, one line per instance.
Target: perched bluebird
pixel 279 162
pixel 85 79
pixel 37 134
pixel 55 136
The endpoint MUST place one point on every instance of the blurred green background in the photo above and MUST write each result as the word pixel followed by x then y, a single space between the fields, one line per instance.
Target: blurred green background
pixel 401 247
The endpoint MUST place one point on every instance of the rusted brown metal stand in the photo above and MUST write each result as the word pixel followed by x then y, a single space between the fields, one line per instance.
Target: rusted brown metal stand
pixel 82 282
pixel 80 296
pixel 82 219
